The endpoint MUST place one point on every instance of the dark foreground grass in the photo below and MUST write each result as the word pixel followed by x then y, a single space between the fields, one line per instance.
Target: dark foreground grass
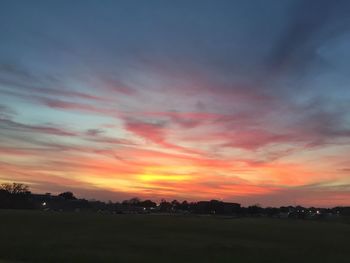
pixel 34 236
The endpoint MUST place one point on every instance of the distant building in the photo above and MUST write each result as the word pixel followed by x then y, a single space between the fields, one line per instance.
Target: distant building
pixel 217 207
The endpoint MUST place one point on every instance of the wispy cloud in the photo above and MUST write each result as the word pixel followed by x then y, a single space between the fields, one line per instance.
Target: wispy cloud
pixel 45 129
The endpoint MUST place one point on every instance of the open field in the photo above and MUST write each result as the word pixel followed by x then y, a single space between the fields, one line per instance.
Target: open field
pixel 33 236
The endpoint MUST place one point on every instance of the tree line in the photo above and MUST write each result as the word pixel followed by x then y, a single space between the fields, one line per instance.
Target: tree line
pixel 18 196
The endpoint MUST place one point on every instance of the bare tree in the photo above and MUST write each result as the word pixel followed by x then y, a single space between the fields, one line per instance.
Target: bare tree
pixel 15 188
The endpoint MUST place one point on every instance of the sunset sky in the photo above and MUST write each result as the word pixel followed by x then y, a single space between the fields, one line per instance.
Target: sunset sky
pixel 244 101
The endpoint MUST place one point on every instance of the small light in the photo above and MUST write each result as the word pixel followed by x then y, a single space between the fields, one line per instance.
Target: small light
pixel 44 203
pixel 317 212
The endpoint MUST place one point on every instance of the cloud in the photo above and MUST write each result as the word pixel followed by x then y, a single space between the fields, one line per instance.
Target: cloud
pixel 151 131
pixel 21 151
pixel 44 129
pixel 254 139
pixel 6 112
pixel 94 132
pixel 115 86
pixel 155 132
pixel 83 107
pixel 15 79
pixel 111 141
pixel 309 24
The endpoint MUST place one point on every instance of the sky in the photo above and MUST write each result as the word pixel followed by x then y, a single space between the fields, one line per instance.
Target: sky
pixel 240 101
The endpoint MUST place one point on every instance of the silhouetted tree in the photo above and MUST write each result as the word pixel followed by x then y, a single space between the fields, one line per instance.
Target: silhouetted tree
pixel 148 204
pixel 255 209
pixel 271 211
pixel 15 196
pixel 68 196
pixel 165 206
pixel 134 201
pixel 175 204
pixel 15 188
pixel 184 205
pixel 284 209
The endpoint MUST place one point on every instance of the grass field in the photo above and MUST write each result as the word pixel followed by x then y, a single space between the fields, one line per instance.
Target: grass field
pixel 32 236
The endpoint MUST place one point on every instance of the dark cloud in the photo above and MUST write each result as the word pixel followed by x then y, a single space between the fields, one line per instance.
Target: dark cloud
pixel 14 71
pixel 111 141
pixel 43 129
pixel 318 125
pixel 309 24
pixel 111 84
pixel 76 106
pixel 16 79
pixel 94 132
